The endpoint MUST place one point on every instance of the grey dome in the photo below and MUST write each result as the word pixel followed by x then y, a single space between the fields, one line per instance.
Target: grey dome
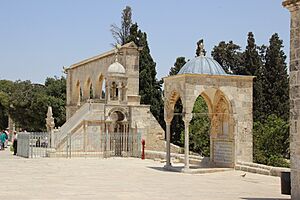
pixel 116 67
pixel 202 65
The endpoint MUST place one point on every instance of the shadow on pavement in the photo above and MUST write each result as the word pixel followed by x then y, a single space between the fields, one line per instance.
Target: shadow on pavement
pixel 165 170
pixel 245 198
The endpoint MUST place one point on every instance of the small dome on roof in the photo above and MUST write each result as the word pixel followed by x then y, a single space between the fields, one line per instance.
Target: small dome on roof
pixel 202 65
pixel 116 67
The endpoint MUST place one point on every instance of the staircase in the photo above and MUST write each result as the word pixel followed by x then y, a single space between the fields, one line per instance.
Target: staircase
pixel 72 122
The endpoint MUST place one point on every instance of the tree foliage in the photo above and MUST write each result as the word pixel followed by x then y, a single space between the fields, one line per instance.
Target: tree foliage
pixel 229 56
pixel 121 34
pixel 149 86
pixel 177 124
pixel 200 128
pixel 271 141
pixel 252 66
pixel 180 61
pixel 275 80
pixel 27 103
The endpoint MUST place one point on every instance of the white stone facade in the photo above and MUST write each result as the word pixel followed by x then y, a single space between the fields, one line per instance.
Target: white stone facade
pixel 103 98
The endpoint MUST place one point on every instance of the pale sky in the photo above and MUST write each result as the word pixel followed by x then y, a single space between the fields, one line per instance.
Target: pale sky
pixel 38 38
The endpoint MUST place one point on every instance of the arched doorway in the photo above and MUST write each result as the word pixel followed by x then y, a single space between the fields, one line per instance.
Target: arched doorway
pixel 200 127
pixel 177 124
pixel 119 132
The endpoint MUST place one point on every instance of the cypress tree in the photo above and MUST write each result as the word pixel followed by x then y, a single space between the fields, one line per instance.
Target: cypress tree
pixel 180 61
pixel 150 87
pixel 120 34
pixel 251 65
pixel 275 80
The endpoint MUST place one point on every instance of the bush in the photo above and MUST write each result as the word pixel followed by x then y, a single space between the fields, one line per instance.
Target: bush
pixel 278 161
pixel 271 141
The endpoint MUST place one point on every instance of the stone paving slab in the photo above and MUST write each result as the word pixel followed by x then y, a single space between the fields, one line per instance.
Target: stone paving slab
pixel 124 178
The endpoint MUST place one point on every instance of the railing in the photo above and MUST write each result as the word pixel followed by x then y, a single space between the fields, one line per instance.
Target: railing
pixel 89 144
pixel 102 145
pixel 33 144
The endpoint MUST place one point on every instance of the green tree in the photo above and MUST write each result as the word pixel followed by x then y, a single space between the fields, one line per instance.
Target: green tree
pixel 29 105
pixel 252 65
pixel 229 56
pixel 4 105
pixel 177 124
pixel 56 92
pixel 200 128
pixel 275 80
pixel 271 141
pixel 6 88
pixel 180 61
pixel 149 86
pixel 121 34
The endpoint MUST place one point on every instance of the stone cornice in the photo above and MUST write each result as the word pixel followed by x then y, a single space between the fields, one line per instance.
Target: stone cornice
pixel 130 45
pixel 180 76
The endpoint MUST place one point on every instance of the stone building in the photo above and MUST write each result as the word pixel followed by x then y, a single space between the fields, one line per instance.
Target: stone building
pixel 229 101
pixel 294 8
pixel 103 102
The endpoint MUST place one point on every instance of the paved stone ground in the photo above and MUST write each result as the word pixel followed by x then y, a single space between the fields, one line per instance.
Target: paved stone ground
pixel 124 178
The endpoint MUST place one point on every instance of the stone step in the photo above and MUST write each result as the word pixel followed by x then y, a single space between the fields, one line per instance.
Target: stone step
pixel 252 169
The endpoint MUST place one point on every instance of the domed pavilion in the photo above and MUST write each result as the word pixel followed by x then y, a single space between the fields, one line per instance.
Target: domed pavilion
pixel 229 101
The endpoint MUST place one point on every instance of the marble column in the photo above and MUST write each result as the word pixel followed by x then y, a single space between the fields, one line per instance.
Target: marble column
pixel 294 8
pixel 187 118
pixel 168 145
pixel 119 92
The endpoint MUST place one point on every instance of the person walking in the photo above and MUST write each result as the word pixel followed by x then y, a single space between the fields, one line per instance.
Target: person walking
pixel 6 137
pixel 15 142
pixel 2 139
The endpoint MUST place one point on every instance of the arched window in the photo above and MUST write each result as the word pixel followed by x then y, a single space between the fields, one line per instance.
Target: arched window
pixel 114 91
pixel 91 91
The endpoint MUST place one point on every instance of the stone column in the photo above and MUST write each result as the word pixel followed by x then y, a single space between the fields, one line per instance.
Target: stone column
pixel 168 145
pixel 187 118
pixel 294 8
pixel 107 92
pixel 125 93
pixel 119 92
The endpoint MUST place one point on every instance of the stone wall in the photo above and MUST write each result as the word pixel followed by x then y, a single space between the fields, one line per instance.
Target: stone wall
pixel 93 71
pixel 151 130
pixel 294 7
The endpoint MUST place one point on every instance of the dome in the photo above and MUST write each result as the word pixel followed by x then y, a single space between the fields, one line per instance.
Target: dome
pixel 116 67
pixel 202 65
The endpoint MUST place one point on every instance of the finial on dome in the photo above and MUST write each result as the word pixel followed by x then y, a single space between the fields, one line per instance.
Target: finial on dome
pixel 200 48
pixel 118 47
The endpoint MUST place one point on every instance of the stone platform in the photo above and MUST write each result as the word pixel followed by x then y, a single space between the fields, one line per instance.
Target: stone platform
pixel 124 178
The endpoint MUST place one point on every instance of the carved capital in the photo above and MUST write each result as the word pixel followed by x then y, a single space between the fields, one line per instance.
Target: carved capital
pixel 187 117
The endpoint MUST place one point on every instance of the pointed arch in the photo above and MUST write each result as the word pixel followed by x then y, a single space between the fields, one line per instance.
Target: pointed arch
pixel 77 93
pixel 86 90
